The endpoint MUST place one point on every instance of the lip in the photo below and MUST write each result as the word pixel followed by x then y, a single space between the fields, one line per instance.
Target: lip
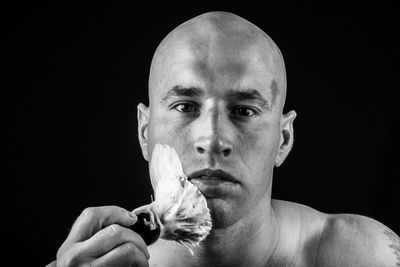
pixel 213 176
pixel 215 184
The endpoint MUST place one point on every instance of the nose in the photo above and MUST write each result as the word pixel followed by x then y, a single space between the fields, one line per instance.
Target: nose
pixel 211 134
pixel 213 145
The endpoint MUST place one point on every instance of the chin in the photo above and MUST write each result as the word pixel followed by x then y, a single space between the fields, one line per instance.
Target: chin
pixel 224 213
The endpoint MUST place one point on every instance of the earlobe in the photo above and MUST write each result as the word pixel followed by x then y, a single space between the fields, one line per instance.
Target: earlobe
pixel 143 123
pixel 286 137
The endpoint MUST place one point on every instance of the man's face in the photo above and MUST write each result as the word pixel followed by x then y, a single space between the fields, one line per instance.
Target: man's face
pixel 216 104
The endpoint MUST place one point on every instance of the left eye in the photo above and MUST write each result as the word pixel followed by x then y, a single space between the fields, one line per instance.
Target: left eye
pixel 243 112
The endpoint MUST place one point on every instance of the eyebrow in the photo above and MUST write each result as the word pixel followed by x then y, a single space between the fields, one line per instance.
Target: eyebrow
pixel 250 95
pixel 239 95
pixel 178 90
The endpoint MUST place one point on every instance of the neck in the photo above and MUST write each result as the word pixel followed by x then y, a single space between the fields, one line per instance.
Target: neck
pixel 250 241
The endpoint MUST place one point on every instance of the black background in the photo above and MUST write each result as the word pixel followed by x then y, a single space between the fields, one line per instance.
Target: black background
pixel 75 74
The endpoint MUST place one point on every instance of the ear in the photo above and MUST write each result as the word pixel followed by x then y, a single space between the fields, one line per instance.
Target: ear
pixel 286 137
pixel 143 123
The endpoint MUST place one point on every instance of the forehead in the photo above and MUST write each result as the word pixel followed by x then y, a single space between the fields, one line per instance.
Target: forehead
pixel 215 64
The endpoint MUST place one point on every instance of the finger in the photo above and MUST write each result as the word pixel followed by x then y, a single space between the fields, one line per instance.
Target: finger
pixel 110 237
pixel 93 219
pixel 70 257
pixel 52 264
pixel 126 254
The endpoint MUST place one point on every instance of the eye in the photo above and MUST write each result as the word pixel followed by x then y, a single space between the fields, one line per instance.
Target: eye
pixel 243 112
pixel 186 107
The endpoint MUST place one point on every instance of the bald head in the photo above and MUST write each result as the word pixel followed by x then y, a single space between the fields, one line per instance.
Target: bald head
pixel 219 43
pixel 216 89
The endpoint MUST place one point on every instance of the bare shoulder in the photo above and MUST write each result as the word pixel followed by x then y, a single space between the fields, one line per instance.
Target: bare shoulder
pixel 335 240
pixel 354 240
pixel 159 253
pixel 164 253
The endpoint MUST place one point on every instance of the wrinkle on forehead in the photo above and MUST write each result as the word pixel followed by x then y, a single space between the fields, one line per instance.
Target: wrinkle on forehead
pixel 216 37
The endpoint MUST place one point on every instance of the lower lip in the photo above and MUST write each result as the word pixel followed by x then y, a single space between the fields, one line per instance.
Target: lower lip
pixel 214 188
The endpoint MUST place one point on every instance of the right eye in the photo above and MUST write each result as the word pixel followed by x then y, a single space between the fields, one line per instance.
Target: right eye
pixel 186 107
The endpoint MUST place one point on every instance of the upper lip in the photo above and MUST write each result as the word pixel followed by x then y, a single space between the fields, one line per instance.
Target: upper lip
pixel 213 173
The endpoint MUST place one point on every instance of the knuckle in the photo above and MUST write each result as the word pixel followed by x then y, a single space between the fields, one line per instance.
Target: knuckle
pixel 134 255
pixel 87 264
pixel 114 229
pixel 61 251
pixel 130 250
pixel 89 212
pixel 130 247
pixel 68 259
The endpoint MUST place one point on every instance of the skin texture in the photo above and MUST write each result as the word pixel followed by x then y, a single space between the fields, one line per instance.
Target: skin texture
pixel 217 89
pixel 200 79
pixel 215 127
pixel 220 56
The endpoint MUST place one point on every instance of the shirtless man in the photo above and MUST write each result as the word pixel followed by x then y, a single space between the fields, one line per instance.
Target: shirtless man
pixel 217 89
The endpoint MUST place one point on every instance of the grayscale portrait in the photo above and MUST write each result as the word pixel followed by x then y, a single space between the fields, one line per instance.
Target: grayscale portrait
pixel 220 137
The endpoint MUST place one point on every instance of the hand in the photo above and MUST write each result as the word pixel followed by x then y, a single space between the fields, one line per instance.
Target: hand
pixel 99 238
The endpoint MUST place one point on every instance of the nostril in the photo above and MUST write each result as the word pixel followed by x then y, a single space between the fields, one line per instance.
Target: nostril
pixel 200 150
pixel 226 152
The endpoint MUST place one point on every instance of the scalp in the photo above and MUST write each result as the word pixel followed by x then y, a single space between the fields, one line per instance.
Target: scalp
pixel 215 34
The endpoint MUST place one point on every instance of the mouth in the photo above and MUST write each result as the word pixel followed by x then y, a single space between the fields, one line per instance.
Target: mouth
pixel 212 175
pixel 215 184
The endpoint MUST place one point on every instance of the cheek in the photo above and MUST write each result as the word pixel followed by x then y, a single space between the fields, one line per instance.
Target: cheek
pixel 261 139
pixel 167 130
pixel 258 147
